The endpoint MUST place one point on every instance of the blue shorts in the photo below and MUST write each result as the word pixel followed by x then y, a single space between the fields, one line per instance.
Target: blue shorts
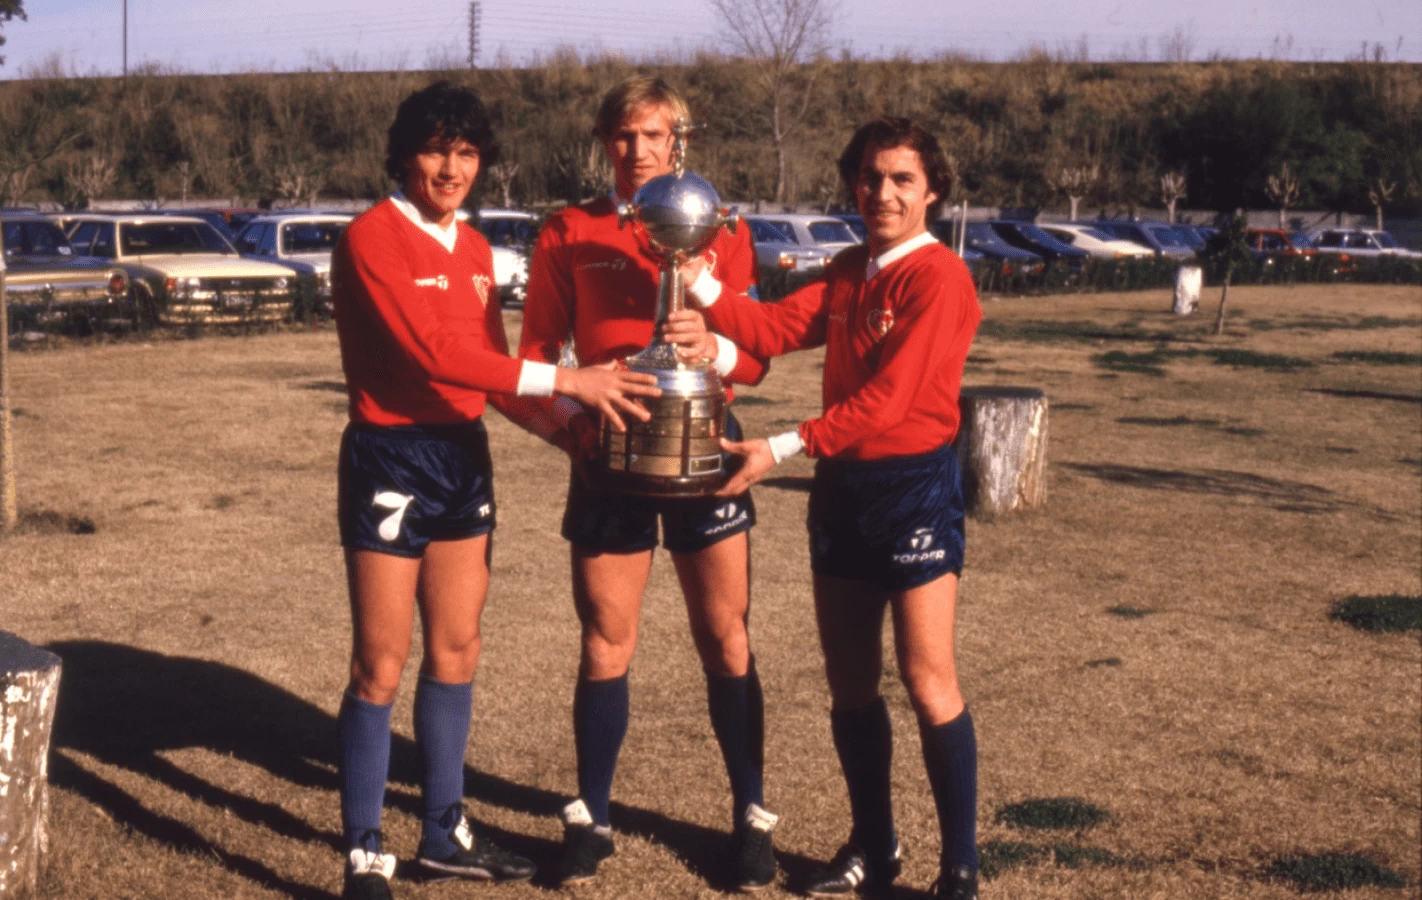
pixel 614 522
pixel 401 487
pixel 896 522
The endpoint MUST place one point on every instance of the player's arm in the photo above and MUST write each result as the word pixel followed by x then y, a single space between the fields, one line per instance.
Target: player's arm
pixel 765 330
pixel 741 275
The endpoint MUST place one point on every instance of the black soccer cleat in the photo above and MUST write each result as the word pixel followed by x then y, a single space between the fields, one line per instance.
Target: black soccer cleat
pixel 852 870
pixel 478 859
pixel 585 846
pixel 956 883
pixel 755 851
pixel 368 875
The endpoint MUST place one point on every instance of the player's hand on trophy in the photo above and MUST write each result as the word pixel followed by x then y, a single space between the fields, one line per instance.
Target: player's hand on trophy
pixel 757 460
pixel 608 388
pixel 686 330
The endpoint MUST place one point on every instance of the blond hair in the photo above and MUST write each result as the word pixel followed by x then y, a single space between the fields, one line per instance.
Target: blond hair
pixel 632 94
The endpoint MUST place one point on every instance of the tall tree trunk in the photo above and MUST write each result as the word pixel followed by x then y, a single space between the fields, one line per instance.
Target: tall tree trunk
pixel 1170 217
pixel 779 137
pixel 9 511
pixel 1224 298
pixel 1380 217
pixel 1074 203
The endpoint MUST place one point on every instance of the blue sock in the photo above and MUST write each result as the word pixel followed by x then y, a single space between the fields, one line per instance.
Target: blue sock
pixel 864 739
pixel 365 765
pixel 442 714
pixel 950 752
pixel 600 712
pixel 738 718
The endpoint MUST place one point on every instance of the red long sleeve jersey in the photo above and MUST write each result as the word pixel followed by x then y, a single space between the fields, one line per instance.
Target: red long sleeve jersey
pixel 592 279
pixel 422 337
pixel 894 349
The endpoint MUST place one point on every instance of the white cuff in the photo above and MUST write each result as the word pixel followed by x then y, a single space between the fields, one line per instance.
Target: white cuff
pixel 783 446
pixel 563 410
pixel 535 379
pixel 706 290
pixel 726 355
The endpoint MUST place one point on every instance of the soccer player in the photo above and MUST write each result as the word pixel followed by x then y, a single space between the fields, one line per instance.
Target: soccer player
pixel 423 346
pixel 592 283
pixel 896 317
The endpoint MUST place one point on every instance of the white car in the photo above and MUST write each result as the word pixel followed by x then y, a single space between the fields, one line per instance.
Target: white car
pixel 511 233
pixel 1363 242
pixel 824 233
pixel 183 270
pixel 1098 243
pixel 301 241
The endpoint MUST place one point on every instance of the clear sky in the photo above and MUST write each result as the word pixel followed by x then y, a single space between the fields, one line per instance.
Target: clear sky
pixel 85 36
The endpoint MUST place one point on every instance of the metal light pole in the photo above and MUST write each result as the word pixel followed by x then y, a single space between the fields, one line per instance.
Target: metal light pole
pixel 9 511
pixel 125 38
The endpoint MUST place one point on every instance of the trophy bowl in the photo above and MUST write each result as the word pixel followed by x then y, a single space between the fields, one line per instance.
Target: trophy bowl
pixel 677 453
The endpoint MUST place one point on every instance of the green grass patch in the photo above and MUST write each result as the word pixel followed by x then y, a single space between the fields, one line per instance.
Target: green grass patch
pixel 752 400
pixel 1053 813
pixel 1128 612
pixel 1380 613
pixel 1335 872
pixel 1248 359
pixel 1069 857
pixel 1379 358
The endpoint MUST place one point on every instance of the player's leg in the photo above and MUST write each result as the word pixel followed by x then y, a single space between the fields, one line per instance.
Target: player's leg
pixel 923 638
pixel 382 597
pixel 454 583
pixel 850 615
pixel 715 581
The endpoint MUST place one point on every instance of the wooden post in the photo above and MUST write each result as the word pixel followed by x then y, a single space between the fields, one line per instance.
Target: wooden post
pixel 1188 280
pixel 29 688
pixel 1002 449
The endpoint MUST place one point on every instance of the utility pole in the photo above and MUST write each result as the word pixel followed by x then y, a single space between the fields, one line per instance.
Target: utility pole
pixel 473 34
pixel 8 509
pixel 125 38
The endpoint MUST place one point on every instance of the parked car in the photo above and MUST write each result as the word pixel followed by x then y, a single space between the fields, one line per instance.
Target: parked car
pixel 511 233
pixel 1360 242
pixel 825 233
pixel 777 250
pixel 183 270
pixel 1157 236
pixel 1100 244
pixel 856 224
pixel 214 217
pixel 302 242
pixel 47 284
pixel 1270 243
pixel 1026 236
pixel 982 238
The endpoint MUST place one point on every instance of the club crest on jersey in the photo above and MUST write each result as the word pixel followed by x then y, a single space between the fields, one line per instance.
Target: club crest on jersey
pixel 481 287
pixel 880 321
pixel 438 281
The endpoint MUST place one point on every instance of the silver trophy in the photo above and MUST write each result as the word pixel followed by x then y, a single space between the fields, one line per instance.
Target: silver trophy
pixel 677 453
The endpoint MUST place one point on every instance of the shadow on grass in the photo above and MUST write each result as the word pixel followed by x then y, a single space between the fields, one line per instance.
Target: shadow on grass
pixel 1284 496
pixel 1381 613
pixel 789 483
pixel 125 706
pixel 1366 395
pixel 335 387
pixel 1334 872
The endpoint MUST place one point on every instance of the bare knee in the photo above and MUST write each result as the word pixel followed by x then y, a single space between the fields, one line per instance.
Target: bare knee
pixel 607 652
pixel 452 659
pixel 853 682
pixel 375 679
pixel 934 695
pixel 724 646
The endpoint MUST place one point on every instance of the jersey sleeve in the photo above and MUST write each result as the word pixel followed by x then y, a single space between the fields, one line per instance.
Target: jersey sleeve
pixel 772 329
pixel 936 310
pixel 447 351
pixel 548 302
pixel 740 275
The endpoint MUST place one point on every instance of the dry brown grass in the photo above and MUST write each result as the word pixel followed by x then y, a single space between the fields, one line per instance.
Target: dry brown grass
pixel 204 623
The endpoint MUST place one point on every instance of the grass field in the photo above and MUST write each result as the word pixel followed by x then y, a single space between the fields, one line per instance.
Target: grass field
pixel 1165 706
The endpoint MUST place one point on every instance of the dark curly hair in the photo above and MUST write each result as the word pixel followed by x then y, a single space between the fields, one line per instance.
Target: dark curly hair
pixel 442 111
pixel 886 133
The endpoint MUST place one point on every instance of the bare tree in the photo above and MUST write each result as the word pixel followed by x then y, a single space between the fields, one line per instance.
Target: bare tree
pixel 10 9
pixel 89 179
pixel 1283 189
pixel 1380 192
pixel 588 167
pixel 294 182
pixel 1172 190
pixel 778 37
pixel 184 171
pixel 502 174
pixel 1074 181
pixel 1178 44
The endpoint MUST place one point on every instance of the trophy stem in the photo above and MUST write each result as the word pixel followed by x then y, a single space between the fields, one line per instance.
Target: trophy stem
pixel 671 297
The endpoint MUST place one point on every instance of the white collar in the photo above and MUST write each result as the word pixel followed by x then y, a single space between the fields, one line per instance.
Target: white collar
pixel 882 261
pixel 445 236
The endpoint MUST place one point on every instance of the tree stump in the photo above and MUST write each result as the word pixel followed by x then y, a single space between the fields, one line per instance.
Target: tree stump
pixel 1188 281
pixel 1002 449
pixel 29 688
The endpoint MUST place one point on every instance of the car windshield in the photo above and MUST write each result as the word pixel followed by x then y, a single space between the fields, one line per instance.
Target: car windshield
pixel 1097 233
pixel 1033 233
pixel 1169 237
pixel 173 237
pixel 1300 240
pixel 772 232
pixel 36 237
pixel 509 232
pixel 1385 240
pixel 982 233
pixel 831 231
pixel 311 237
